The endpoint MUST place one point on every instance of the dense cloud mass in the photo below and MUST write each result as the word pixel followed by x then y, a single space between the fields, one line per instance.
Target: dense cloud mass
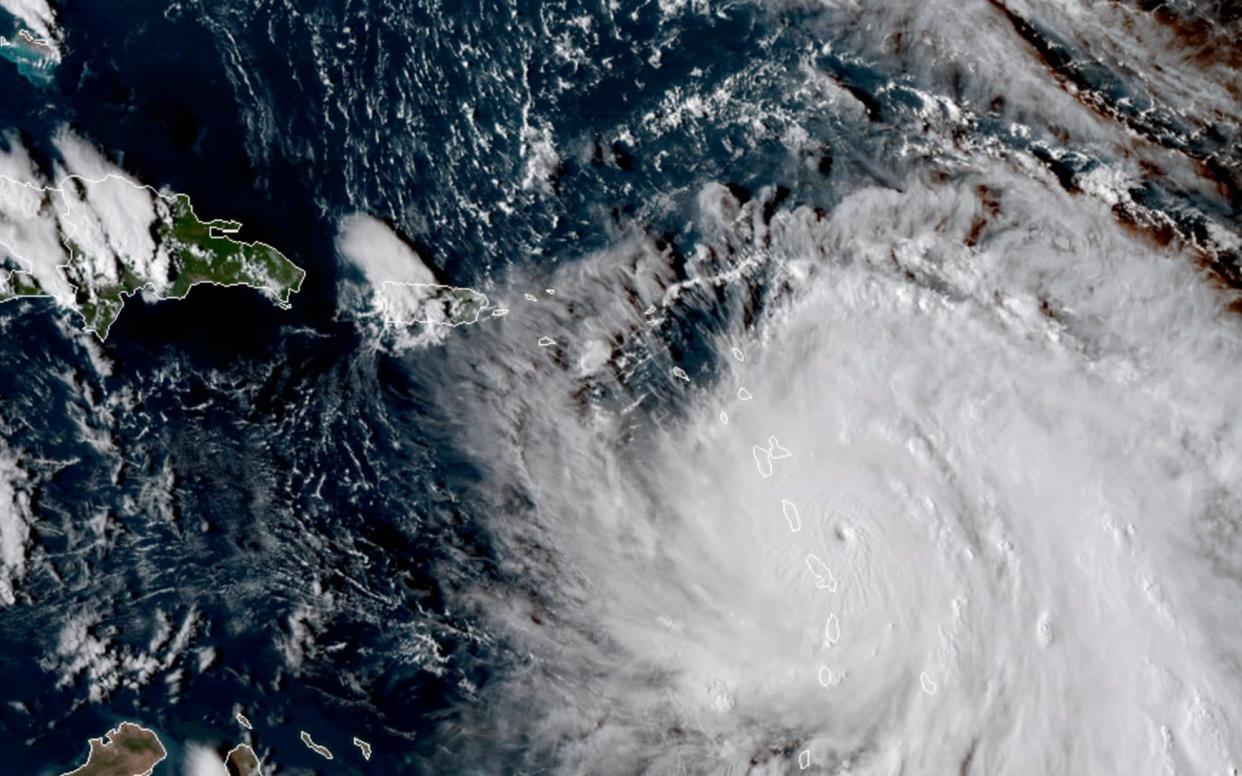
pixel 964 498
pixel 1013 474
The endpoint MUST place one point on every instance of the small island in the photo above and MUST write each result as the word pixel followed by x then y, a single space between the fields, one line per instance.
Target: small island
pixel 318 749
pixel 29 39
pixel 129 750
pixel 242 761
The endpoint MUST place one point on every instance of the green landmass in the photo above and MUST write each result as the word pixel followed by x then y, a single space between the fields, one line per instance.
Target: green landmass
pixel 463 305
pixel 198 252
pixel 98 302
pixel 15 283
pixel 204 254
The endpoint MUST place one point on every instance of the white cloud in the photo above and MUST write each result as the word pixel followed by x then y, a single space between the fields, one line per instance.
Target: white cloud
pixel 401 289
pixel 106 212
pixel 202 760
pixel 16 518
pixel 374 248
pixel 36 14
pixel 28 231
pixel 86 648
pixel 109 222
pixel 1033 434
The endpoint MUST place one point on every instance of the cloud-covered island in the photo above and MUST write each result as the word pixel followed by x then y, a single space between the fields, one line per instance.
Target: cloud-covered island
pixel 98 237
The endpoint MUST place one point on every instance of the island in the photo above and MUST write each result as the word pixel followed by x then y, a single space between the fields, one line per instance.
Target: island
pixel 431 304
pixel 90 244
pixel 242 761
pixel 318 749
pixel 404 288
pixel 29 38
pixel 129 750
